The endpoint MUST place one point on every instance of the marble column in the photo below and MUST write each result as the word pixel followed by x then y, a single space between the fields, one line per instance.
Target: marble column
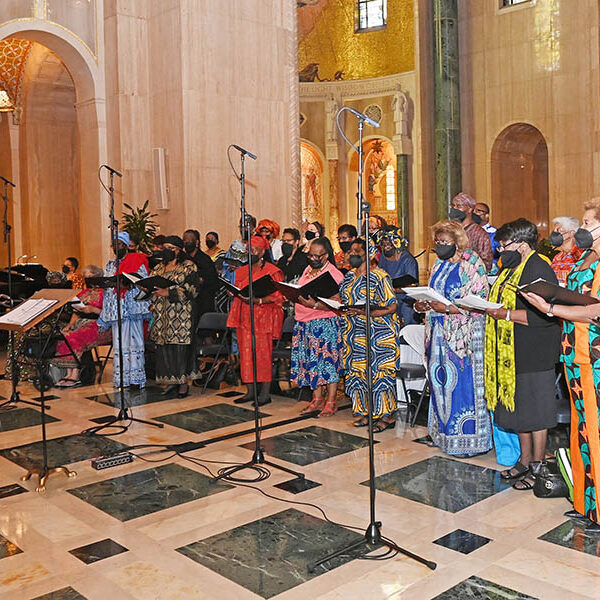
pixel 446 104
pixel 334 202
pixel 402 194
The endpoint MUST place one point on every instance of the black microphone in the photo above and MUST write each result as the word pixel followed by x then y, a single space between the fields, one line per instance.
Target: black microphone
pixel 7 181
pixel 111 170
pixel 363 117
pixel 244 151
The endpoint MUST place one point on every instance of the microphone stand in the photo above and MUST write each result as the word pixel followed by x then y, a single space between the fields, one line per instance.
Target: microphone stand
pixel 372 537
pixel 258 458
pixel 14 371
pixel 124 414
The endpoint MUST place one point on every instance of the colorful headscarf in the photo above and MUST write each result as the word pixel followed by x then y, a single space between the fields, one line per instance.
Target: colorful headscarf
pixel 272 226
pixel 373 250
pixel 465 200
pixel 394 236
pixel 123 236
pixel 259 242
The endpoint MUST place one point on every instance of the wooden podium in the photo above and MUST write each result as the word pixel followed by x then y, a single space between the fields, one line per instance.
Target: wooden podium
pixel 61 298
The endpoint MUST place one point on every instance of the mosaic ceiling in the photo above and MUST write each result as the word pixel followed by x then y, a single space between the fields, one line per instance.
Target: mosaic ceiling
pixel 13 56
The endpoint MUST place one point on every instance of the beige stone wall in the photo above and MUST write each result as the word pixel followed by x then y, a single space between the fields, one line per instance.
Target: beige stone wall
pixel 537 64
pixel 193 77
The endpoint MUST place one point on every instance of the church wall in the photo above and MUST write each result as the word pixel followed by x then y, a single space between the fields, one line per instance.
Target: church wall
pixel 536 64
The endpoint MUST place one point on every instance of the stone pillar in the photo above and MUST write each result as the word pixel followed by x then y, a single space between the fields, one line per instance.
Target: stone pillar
pixel 446 104
pixel 17 222
pixel 332 153
pixel 403 149
pixel 402 194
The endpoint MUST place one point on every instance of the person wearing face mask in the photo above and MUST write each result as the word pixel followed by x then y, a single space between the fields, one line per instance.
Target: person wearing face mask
pixel 385 351
pixel 345 236
pixel 69 268
pixel 208 280
pixel 563 238
pixel 270 230
pixel 133 314
pixel 580 352
pixel 317 340
pixel 458 422
pixel 522 347
pixel 461 210
pixel 293 261
pixel 313 231
pixel 173 325
pixel 396 261
pixel 212 246
pixel 268 320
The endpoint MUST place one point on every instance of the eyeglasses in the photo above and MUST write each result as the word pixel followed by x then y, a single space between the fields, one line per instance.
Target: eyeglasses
pixel 316 256
pixel 506 245
pixel 443 242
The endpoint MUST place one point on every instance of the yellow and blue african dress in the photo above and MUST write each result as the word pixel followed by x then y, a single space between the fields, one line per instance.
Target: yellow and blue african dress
pixel 581 355
pixel 385 352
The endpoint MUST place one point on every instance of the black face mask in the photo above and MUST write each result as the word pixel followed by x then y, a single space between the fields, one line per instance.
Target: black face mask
pixel 130 250
pixel 456 214
pixel 167 255
pixel 510 259
pixel 445 251
pixel 121 252
pixel 389 253
pixel 315 263
pixel 476 218
pixel 557 239
pixel 355 261
pixel 189 247
pixel 155 259
pixel 65 269
pixel 210 243
pixel 310 235
pixel 254 258
pixel 584 238
pixel 345 246
pixel 287 249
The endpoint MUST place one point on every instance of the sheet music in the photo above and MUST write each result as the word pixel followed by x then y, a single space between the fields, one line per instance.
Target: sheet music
pixel 476 302
pixel 426 294
pixel 27 312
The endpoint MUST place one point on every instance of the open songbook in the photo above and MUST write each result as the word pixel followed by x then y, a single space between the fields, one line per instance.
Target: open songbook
pixel 555 294
pixel 323 286
pixel 476 303
pixel 264 286
pixel 426 294
pixel 27 312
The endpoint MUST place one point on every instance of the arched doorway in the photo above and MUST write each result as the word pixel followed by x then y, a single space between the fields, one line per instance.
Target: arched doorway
pixel 520 176
pixel 311 168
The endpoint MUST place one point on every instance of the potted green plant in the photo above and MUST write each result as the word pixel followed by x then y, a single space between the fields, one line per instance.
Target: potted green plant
pixel 139 222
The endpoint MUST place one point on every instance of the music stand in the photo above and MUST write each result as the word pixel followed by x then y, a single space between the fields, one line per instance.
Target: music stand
pixel 62 298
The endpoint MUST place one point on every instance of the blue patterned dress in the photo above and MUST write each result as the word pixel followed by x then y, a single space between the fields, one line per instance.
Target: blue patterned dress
pixel 459 422
pixel 385 351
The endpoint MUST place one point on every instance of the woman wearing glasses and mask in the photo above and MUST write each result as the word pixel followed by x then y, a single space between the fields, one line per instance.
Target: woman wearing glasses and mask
pixel 580 353
pixel 317 339
pixel 521 350
pixel 458 423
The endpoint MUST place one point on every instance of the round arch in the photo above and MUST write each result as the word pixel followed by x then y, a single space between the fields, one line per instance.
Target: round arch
pixel 90 96
pixel 313 177
pixel 519 176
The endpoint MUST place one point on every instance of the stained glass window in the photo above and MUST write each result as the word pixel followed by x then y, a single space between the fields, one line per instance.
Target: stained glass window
pixel 370 14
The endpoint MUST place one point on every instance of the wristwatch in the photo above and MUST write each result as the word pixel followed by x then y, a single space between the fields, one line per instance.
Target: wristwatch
pixel 550 312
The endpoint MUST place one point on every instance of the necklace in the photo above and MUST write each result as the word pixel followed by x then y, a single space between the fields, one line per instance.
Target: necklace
pixel 316 273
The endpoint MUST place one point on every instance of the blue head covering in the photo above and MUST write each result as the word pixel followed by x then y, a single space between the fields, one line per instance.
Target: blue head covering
pixel 124 237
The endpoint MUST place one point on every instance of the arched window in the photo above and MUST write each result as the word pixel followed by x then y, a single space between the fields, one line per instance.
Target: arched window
pixel 370 14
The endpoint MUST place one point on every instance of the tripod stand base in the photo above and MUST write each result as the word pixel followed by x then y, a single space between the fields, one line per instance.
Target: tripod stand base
pixel 43 474
pixel 372 538
pixel 257 459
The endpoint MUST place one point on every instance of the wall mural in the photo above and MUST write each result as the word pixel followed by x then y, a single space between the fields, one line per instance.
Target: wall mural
pixel 312 184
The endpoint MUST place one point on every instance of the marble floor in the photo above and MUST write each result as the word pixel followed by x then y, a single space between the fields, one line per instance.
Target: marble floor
pixel 161 528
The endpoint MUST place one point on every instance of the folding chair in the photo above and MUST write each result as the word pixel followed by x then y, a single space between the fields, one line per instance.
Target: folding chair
pixel 282 350
pixel 214 323
pixel 102 361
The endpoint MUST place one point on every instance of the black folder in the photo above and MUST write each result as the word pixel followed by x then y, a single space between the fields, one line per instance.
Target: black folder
pixel 555 294
pixel 404 281
pixel 264 286
pixel 323 286
pixel 155 282
pixel 111 282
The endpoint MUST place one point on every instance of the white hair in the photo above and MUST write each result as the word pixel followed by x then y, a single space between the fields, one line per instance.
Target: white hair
pixel 567 223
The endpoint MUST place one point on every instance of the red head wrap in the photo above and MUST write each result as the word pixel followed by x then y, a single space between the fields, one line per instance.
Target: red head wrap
pixel 259 242
pixel 270 225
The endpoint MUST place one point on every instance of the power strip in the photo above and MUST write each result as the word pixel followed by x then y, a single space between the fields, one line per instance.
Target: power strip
pixel 106 462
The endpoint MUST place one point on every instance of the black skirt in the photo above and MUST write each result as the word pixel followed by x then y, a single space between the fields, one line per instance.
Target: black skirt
pixel 176 363
pixel 536 404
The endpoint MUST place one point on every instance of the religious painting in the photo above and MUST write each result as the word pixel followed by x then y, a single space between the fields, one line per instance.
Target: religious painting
pixel 312 184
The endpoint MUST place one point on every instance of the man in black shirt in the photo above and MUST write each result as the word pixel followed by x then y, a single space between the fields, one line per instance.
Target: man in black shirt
pixel 294 261
pixel 207 273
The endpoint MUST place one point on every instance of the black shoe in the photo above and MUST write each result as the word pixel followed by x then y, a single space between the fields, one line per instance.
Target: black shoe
pixel 573 514
pixel 262 400
pixel 592 527
pixel 185 393
pixel 170 389
pixel 243 399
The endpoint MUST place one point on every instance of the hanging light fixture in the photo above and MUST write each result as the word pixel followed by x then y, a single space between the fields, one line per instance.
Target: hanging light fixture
pixel 6 104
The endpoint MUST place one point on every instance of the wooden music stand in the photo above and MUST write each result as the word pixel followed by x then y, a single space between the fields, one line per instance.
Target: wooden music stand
pixel 62 297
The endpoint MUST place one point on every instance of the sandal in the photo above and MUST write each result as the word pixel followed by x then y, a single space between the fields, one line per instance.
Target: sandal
pixel 362 422
pixel 329 410
pixel 317 404
pixel 524 484
pixel 381 425
pixel 73 383
pixel 520 471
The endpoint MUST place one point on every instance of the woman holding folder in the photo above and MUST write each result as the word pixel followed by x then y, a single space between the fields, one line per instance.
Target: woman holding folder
pixel 317 338
pixel 268 321
pixel 458 423
pixel 581 355
pixel 521 350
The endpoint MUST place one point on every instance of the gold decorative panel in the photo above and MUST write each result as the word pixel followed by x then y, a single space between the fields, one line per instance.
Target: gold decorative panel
pixel 13 55
pixel 332 50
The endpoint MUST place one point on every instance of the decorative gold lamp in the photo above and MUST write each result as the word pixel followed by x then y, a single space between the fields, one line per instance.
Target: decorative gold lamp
pixel 6 104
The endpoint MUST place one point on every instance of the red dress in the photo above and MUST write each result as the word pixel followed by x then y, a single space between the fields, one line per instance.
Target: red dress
pixel 268 321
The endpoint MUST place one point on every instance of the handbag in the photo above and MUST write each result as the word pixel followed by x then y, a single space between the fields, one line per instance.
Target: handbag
pixel 549 482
